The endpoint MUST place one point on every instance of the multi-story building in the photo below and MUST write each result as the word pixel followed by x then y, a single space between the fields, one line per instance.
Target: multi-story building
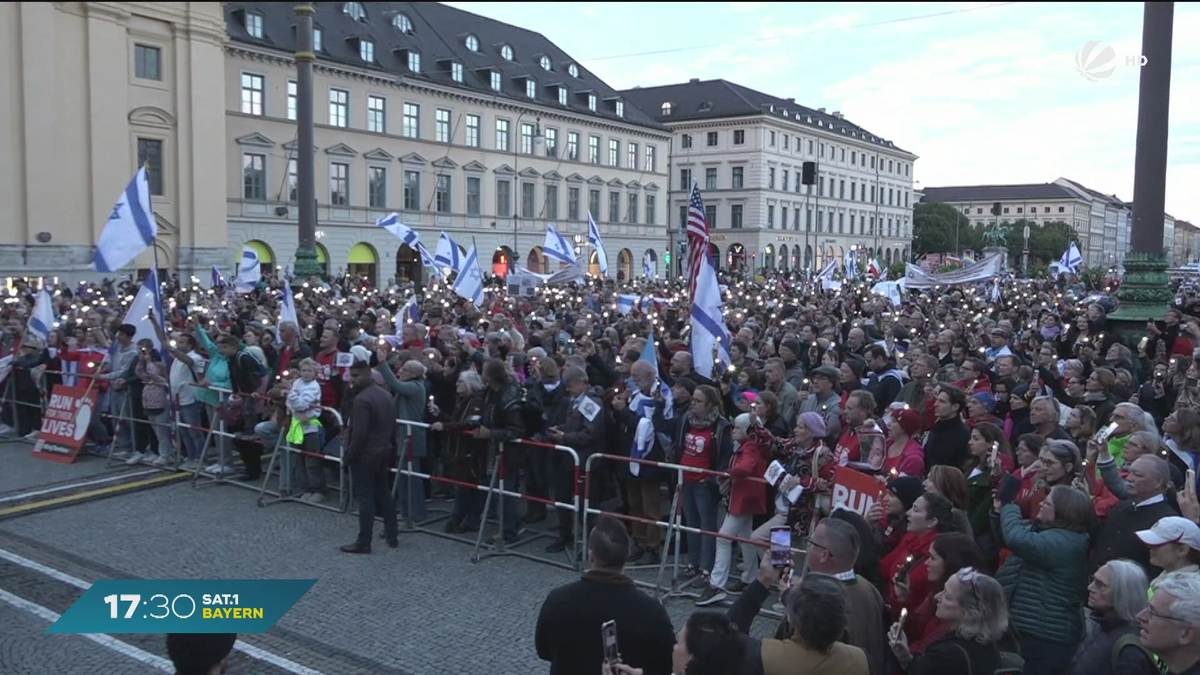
pixel 1108 227
pixel 747 150
pixel 462 124
pixel 487 131
pixel 1187 243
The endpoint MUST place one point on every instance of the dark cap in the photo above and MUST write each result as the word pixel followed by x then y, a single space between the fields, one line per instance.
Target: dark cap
pixel 829 372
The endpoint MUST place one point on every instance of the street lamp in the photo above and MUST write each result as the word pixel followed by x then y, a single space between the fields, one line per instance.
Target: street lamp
pixel 578 245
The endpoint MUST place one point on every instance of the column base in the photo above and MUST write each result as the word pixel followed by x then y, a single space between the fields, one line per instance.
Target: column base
pixel 1144 295
pixel 306 264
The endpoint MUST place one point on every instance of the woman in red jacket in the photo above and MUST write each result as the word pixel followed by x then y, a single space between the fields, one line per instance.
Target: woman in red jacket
pixel 948 554
pixel 746 492
pixel 905 569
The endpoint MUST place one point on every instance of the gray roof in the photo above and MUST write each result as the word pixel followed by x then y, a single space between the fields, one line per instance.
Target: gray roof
pixel 439 34
pixel 1112 200
pixel 996 193
pixel 716 99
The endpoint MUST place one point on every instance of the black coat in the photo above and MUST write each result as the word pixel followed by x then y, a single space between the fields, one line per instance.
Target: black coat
pixel 568 627
pixel 946 444
pixel 1117 537
pixel 952 655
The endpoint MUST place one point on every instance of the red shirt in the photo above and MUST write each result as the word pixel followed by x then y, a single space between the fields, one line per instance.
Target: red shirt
pixel 698 452
pixel 327 370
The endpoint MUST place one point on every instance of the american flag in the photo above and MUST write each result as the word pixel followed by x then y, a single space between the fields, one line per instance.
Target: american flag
pixel 697 238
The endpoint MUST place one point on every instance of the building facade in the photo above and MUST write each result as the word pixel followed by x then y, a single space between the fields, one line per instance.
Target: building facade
pixel 93 90
pixel 1186 247
pixel 461 124
pixel 746 151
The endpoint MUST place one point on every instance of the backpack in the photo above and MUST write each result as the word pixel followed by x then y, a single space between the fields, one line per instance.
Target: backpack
pixel 257 368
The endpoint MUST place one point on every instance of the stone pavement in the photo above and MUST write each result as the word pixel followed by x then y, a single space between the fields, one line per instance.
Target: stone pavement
pixel 422 609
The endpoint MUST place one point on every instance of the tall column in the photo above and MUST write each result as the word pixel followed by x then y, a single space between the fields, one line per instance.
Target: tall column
pixel 306 188
pixel 1144 293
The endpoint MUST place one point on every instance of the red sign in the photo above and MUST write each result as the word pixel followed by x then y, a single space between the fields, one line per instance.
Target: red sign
pixel 65 423
pixel 855 490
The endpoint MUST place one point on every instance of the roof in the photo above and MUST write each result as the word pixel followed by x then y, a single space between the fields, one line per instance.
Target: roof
pixel 997 193
pixel 716 99
pixel 439 33
pixel 1112 200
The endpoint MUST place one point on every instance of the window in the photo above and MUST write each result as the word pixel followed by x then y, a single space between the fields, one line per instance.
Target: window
pixel 1045 209
pixel 551 209
pixel 891 169
pixel 710 178
pixel 474 196
pixel 544 62
pixel 317 39
pixel 738 176
pixel 412 190
pixel 614 152
pixel 339 107
pixel 770 216
pixel 632 152
pixel 150 151
pixel 147 62
pixel 507 52
pixel 527 138
pixel 810 147
pixel 797 180
pixel 552 142
pixel 852 224
pixel 441 125
pixel 291 100
pixel 412 120
pixel 842 154
pixel 293 180
pixel 710 214
pixel 376 187
pixel 339 184
pixel 402 23
pixel 783 180
pixel 573 70
pixel 573 203
pixel 503 198
pixel 841 189
pixel 531 88
pixel 620 108
pixel 614 207
pixel 651 203
pixel 796 213
pixel 528 196
pixel 872 159
pixel 771 139
pixel 502 135
pixel 633 208
pixel 853 158
pixel 254 176
pixel 785 147
pixel 594 203
pixel 377 114
pixel 666 109
pixel 1061 209
pixel 711 140
pixel 771 178
pixel 442 194
pixel 739 137
pixel 473 122
pixel 853 191
pixel 355 11
pixel 594 149
pixel 686 141
pixel 890 202
pixel 254 25
pixel 496 81
pixel 841 223
pixel 573 145
pixel 456 71
pixel 562 95
pixel 685 179
pixel 366 50
pixel 252 94
pixel 472 43
pixel 414 62
pixel 651 160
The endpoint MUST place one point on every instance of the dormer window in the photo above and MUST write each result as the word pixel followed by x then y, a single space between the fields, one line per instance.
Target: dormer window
pixel 316 39
pixel 414 61
pixel 620 108
pixel 496 81
pixel 506 52
pixel 402 23
pixel 545 63
pixel 355 10
pixel 705 106
pixel 592 102
pixel 666 109
pixel 366 50
pixel 456 71
pixel 562 96
pixel 573 70
pixel 531 88
pixel 472 43
pixel 254 25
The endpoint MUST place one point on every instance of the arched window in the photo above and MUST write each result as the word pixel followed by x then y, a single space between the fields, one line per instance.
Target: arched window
pixel 402 23
pixel 545 63
pixel 472 43
pixel 507 52
pixel 666 109
pixel 573 70
pixel 355 10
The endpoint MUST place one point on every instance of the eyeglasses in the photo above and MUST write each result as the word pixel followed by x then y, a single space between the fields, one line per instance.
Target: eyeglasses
pixel 1149 612
pixel 812 543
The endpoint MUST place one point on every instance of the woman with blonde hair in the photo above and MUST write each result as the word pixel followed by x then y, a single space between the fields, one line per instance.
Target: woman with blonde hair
pixel 974 605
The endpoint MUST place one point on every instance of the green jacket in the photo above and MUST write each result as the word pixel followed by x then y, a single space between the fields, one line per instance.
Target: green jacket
pixel 1045 578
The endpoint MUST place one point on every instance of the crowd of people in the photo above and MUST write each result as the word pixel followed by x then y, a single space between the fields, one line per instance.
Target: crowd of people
pixel 1039 509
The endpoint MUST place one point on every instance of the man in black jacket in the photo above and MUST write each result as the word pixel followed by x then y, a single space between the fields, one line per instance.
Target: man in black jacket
pixel 1148 480
pixel 502 423
pixel 581 429
pixel 568 627
pixel 372 427
pixel 545 394
pixel 946 442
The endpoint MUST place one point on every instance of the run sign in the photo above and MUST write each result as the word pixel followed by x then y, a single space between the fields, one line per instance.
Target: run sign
pixel 855 490
pixel 65 423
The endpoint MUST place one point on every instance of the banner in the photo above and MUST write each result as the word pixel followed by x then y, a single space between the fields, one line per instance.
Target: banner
pixel 65 423
pixel 855 491
pixel 983 270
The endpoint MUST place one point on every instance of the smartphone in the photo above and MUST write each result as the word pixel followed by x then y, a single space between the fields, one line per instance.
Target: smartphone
pixel 608 634
pixel 781 547
pixel 1191 478
pixel 1106 432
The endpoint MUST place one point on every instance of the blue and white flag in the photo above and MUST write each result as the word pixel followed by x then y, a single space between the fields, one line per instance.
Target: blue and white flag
pixel 449 255
pixel 557 247
pixel 1071 258
pixel 148 297
pixel 647 406
pixel 130 228
pixel 287 307
pixel 851 265
pixel 996 290
pixel 391 223
pixel 649 266
pixel 411 312
pixel 218 281
pixel 827 273
pixel 598 245
pixel 708 321
pixel 41 322
pixel 625 303
pixel 469 283
pixel 428 262
pixel 249 271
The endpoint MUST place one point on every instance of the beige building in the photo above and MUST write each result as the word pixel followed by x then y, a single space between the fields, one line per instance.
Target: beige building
pixel 1187 243
pixel 91 90
pixel 746 151
pixel 483 130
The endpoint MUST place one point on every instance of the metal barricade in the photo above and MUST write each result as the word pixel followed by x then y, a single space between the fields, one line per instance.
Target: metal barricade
pixel 201 477
pixel 283 449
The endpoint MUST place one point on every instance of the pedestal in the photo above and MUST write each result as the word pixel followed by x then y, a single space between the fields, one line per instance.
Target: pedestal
pixel 307 265
pixel 988 250
pixel 1144 296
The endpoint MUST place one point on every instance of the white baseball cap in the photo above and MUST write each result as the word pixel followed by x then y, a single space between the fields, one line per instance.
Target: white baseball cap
pixel 1172 530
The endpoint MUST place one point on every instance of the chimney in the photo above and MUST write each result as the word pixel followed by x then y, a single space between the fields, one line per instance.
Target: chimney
pixel 820 110
pixel 694 80
pixel 838 114
pixel 791 100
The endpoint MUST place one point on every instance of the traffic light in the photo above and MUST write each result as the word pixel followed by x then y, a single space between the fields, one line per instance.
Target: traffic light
pixel 503 259
pixel 667 255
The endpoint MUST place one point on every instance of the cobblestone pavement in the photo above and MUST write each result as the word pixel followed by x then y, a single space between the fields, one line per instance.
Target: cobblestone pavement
pixel 422 609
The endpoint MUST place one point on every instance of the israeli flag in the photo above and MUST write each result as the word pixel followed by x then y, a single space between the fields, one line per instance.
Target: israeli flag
pixel 625 303
pixel 708 321
pixel 449 255
pixel 851 265
pixel 650 355
pixel 41 322
pixel 469 283
pixel 130 228
pixel 287 309
pixel 1071 258
pixel 218 281
pixel 412 312
pixel 594 240
pixel 428 262
pixel 996 290
pixel 249 272
pixel 556 247
pixel 649 266
pixel 391 223
pixel 148 297
pixel 827 273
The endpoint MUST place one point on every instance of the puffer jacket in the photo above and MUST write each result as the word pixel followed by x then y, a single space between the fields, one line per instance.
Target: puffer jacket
pixel 1045 578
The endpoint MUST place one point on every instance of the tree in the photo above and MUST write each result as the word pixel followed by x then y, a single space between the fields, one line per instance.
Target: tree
pixel 1046 241
pixel 937 226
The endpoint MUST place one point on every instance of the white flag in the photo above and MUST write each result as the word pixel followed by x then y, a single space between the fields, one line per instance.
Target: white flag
pixel 287 309
pixel 41 322
pixel 448 255
pixel 138 315
pixel 428 261
pixel 594 240
pixel 557 247
pixel 708 321
pixel 249 272
pixel 469 283
pixel 130 228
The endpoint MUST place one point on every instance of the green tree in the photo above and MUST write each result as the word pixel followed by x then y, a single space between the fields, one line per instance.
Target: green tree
pixel 935 227
pixel 1046 242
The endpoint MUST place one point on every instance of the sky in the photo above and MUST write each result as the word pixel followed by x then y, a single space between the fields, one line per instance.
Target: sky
pixel 983 93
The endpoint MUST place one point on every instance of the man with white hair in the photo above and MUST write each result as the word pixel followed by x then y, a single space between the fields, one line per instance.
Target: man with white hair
pixel 1171 624
pixel 1147 482
pixel 1128 418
